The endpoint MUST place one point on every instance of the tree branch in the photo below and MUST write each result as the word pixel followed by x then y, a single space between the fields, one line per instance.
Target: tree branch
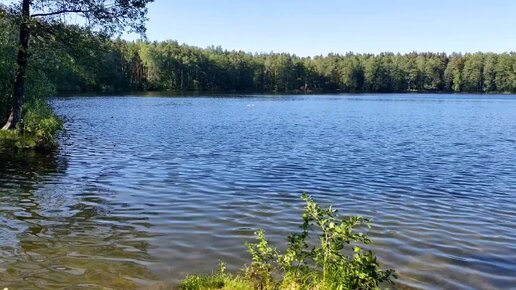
pixel 60 12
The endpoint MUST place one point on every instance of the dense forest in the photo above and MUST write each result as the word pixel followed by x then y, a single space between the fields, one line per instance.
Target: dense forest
pixel 170 66
pixel 69 59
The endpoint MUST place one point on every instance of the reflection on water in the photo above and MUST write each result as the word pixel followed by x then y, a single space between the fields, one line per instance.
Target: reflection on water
pixel 151 189
pixel 51 238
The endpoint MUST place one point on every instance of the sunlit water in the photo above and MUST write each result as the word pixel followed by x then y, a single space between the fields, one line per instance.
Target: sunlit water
pixel 147 190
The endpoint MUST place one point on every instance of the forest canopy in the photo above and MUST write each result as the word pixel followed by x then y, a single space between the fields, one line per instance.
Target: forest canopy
pixel 75 59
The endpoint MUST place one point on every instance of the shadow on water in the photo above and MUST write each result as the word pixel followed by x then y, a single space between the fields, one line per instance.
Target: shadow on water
pixel 53 235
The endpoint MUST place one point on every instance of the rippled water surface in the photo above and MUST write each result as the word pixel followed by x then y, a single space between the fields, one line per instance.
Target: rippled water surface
pixel 147 189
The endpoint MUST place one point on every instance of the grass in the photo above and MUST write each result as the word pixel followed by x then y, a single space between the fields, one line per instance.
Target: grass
pixel 37 130
pixel 219 280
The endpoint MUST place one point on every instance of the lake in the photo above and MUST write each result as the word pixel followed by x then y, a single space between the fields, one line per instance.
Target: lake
pixel 146 190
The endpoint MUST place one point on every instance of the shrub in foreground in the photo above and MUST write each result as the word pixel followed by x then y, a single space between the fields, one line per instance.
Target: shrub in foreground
pixel 325 255
pixel 37 130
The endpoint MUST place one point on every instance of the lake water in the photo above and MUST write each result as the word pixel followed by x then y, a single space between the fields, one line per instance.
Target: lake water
pixel 146 190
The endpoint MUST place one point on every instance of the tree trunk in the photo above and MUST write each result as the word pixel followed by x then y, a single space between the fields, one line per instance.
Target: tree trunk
pixel 181 79
pixel 21 69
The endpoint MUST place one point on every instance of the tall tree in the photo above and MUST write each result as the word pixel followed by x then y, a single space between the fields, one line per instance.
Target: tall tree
pixel 105 16
pixel 473 72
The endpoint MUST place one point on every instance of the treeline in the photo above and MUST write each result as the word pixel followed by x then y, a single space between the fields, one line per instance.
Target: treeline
pixel 171 66
pixel 94 63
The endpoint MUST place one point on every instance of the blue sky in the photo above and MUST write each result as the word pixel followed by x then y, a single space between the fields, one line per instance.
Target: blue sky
pixel 312 27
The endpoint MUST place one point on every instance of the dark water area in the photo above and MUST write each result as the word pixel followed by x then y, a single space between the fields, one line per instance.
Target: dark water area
pixel 146 190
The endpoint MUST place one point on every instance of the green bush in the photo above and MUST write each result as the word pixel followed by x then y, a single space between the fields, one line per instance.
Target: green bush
pixel 325 255
pixel 38 128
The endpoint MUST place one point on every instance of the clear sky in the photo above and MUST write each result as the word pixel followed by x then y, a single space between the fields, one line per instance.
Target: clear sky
pixel 312 27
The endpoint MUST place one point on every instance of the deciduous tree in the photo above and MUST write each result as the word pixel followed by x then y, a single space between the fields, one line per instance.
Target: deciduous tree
pixel 105 16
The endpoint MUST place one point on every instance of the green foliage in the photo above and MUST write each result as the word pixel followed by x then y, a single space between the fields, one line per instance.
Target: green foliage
pixel 326 254
pixel 7 63
pixel 219 280
pixel 171 66
pixel 263 257
pixel 40 78
pixel 38 129
pixel 67 58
